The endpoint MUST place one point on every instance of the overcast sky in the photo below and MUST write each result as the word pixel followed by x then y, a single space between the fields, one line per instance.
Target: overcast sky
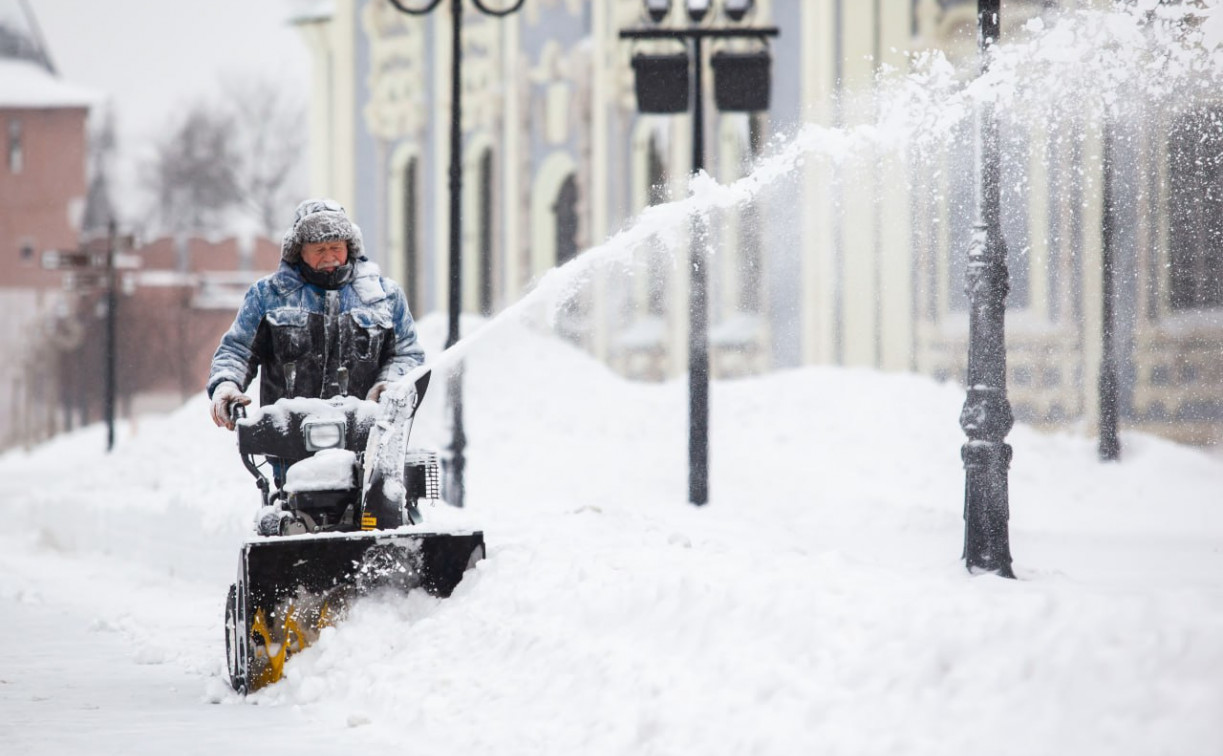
pixel 152 55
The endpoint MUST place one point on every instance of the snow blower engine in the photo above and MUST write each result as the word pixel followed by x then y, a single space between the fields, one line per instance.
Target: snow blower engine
pixel 339 519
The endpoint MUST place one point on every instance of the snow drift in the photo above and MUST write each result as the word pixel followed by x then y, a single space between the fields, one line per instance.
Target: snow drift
pixel 817 605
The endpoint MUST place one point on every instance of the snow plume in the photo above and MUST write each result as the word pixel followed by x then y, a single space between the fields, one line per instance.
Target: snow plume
pixel 1081 64
pixel 667 225
pixel 1070 69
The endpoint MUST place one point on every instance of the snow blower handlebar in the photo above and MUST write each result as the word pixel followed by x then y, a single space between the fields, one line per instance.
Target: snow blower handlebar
pixel 294 428
pixel 238 412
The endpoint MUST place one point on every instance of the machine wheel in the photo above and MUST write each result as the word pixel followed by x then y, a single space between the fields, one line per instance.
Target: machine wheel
pixel 236 654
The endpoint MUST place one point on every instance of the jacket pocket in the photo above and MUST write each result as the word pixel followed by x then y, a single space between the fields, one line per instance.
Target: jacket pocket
pixel 370 328
pixel 290 327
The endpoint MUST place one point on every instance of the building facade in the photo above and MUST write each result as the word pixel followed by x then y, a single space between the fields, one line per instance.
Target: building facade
pixel 42 200
pixel 175 297
pixel 859 261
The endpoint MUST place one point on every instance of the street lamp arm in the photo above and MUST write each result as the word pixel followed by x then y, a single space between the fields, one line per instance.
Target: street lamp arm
pixel 700 32
pixel 493 11
pixel 415 11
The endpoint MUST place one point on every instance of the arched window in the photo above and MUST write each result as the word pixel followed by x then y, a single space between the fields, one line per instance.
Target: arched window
pixel 656 175
pixel 962 211
pixel 16 151
pixel 1015 191
pixel 410 275
pixel 566 211
pixel 749 228
pixel 1195 210
pixel 485 232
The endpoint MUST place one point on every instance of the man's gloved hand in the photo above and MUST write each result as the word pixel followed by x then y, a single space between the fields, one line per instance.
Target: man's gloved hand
pixel 268 521
pixel 376 390
pixel 224 397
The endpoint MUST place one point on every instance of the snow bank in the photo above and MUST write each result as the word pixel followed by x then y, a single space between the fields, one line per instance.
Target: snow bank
pixel 816 605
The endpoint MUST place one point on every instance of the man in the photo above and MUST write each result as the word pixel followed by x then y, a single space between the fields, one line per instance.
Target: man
pixel 326 323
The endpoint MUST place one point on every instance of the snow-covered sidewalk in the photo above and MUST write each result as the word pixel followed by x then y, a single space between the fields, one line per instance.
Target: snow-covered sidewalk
pixel 817 605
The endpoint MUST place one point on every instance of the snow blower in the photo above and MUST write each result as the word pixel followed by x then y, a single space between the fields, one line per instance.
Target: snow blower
pixel 338 521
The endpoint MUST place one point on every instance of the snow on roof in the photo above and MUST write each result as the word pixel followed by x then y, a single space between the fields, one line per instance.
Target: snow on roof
pixel 24 84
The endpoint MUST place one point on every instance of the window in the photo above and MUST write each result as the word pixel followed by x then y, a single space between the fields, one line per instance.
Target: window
pixel 16 152
pixel 485 210
pixel 1195 212
pixel 660 262
pixel 566 211
pixel 573 315
pixel 961 201
pixel 750 246
pixel 1013 188
pixel 411 235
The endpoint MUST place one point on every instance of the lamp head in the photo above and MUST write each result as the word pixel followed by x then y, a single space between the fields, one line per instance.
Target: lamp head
pixel 697 9
pixel 737 9
pixel 657 9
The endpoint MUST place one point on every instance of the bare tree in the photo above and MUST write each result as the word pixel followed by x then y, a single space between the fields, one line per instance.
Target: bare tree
pixel 102 149
pixel 230 160
pixel 271 140
pixel 193 177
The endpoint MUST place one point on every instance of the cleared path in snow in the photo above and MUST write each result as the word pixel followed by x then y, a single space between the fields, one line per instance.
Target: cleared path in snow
pixel 817 605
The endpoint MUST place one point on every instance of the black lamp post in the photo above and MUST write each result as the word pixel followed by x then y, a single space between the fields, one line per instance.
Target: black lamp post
pixel 112 316
pixel 662 84
pixel 986 417
pixel 95 263
pixel 456 462
pixel 1110 442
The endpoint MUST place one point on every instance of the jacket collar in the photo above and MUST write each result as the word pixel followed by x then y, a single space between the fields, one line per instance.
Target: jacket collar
pixel 366 281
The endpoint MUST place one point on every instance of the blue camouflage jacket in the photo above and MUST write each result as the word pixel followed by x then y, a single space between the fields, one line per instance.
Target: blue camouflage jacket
pixel 299 336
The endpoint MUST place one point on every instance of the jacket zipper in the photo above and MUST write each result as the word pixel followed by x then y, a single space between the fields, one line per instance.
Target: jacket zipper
pixel 331 338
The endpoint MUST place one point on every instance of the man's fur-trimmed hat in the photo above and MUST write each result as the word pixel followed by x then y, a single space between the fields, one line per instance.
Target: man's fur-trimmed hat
pixel 320 220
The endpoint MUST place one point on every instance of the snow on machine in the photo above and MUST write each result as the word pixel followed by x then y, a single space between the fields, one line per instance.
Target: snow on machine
pixel 337 526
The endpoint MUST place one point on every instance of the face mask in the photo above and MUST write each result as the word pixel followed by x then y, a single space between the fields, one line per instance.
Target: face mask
pixel 331 279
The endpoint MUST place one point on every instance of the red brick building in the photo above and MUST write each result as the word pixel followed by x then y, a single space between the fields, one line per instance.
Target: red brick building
pixel 42 198
pixel 176 306
pixel 176 297
pixel 42 176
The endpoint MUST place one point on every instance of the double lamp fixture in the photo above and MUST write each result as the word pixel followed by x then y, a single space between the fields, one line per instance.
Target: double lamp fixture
pixel 741 79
